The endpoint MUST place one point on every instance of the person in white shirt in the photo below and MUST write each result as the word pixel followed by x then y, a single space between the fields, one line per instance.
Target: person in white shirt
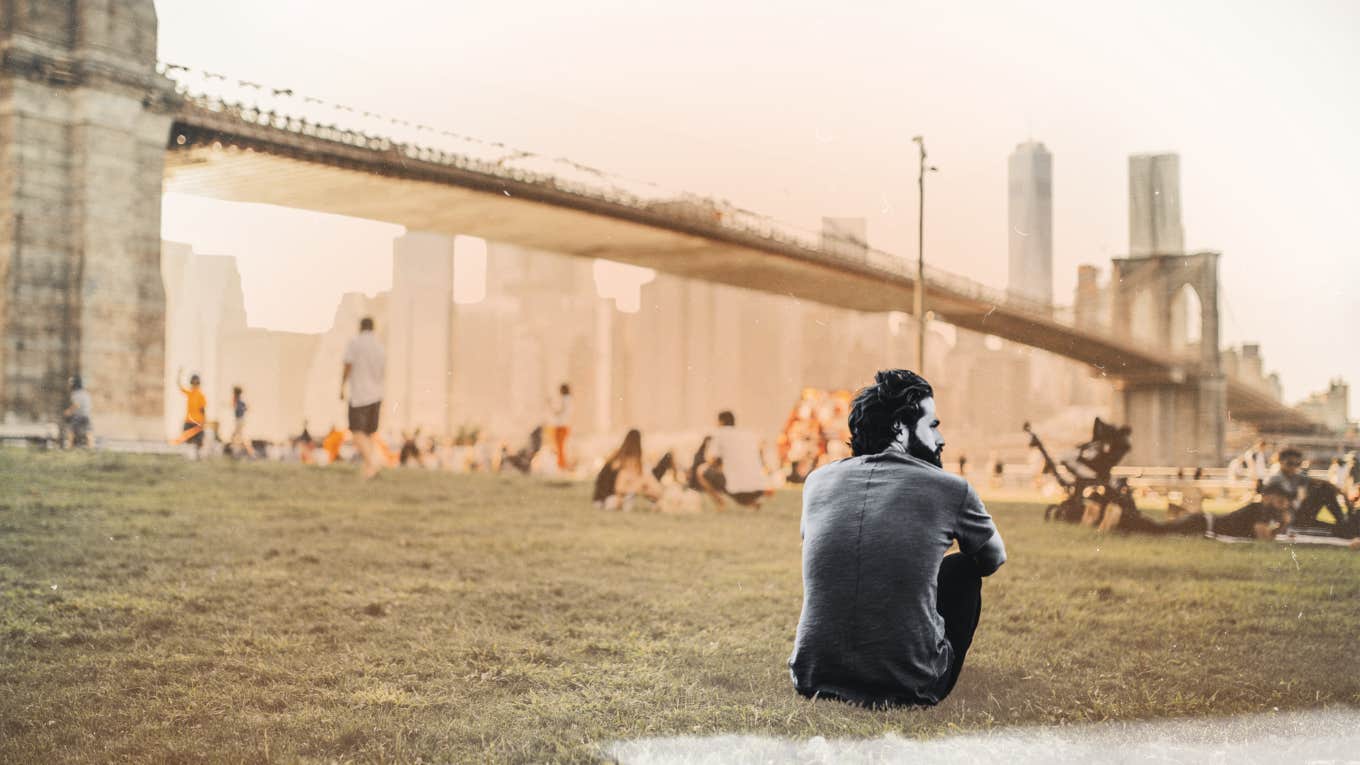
pixel 78 413
pixel 1336 474
pixel 1352 474
pixel 1257 461
pixel 732 465
pixel 561 422
pixel 365 361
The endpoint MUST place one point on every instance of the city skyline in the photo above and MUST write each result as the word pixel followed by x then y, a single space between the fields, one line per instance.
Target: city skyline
pixel 830 145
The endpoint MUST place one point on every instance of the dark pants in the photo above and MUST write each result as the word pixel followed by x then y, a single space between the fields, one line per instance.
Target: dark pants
pixel 959 601
pixel 1190 524
pixel 364 419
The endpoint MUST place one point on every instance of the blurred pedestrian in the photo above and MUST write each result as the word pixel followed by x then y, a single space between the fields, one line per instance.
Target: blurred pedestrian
pixel 77 415
pixel 365 361
pixel 195 412
pixel 561 422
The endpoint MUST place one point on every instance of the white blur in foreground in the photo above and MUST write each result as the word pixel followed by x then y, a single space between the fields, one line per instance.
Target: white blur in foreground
pixel 1323 736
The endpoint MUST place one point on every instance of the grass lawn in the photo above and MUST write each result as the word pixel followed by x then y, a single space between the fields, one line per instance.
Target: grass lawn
pixel 157 610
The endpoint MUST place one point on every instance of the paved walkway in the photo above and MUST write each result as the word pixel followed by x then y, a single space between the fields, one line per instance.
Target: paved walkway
pixel 1317 737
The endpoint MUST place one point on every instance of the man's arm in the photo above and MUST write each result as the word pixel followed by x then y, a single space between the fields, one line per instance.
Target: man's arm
pixel 344 378
pixel 977 534
pixel 991 556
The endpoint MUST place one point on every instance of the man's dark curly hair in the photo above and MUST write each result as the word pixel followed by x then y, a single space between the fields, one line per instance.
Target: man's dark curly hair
pixel 895 397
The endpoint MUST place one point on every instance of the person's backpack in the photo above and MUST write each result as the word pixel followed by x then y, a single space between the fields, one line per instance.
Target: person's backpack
pixel 240 408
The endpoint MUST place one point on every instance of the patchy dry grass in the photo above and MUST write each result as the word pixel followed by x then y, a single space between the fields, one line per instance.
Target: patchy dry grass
pixel 163 611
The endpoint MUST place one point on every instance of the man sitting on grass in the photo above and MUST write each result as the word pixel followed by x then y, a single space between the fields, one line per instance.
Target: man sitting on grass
pixel 887 617
pixel 732 467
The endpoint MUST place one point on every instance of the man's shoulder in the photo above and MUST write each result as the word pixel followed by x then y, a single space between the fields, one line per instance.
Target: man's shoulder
pixel 731 436
pixel 920 469
pixel 365 342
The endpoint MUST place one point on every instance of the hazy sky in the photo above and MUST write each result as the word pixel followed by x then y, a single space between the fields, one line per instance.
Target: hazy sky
pixel 799 110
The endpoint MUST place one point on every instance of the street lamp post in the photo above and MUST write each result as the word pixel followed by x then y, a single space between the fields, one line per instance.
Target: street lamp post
pixel 920 308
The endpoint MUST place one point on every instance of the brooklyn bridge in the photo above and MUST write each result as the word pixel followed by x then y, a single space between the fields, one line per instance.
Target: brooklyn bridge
pixel 96 130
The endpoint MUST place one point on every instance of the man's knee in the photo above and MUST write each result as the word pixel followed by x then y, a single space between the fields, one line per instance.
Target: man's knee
pixel 960 569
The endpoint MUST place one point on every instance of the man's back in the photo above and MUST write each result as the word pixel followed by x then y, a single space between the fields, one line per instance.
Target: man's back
pixel 366 358
pixel 80 399
pixel 875 529
pixel 740 454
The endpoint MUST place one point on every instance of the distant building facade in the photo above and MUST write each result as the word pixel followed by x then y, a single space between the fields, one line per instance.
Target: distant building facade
pixel 664 360
pixel 419 329
pixel 1329 408
pixel 206 334
pixel 1246 364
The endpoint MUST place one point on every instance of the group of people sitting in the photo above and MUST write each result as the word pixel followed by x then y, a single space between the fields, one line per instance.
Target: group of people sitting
pixel 1288 500
pixel 465 452
pixel 726 467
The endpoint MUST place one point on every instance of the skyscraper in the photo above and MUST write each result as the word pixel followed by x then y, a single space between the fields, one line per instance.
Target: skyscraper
pixel 1155 205
pixel 1031 222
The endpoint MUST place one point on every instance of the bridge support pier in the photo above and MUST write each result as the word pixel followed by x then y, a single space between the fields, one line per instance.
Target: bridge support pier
pixel 84 119
pixel 1177 425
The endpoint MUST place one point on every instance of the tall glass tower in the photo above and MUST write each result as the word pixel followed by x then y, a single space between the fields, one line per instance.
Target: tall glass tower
pixel 1031 223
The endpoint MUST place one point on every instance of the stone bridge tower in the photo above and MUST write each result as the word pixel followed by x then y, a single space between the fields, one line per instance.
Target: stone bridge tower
pixel 84 119
pixel 1170 302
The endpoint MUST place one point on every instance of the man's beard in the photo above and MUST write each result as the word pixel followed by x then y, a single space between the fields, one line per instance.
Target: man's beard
pixel 921 452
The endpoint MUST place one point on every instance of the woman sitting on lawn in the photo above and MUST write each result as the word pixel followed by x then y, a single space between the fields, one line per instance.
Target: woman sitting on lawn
pixel 622 479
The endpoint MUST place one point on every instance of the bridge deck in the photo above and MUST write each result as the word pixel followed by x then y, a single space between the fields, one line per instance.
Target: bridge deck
pixel 221 154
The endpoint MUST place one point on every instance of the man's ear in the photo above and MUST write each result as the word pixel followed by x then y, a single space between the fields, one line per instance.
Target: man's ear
pixel 899 430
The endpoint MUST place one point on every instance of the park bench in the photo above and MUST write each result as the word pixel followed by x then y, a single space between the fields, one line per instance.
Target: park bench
pixel 44 435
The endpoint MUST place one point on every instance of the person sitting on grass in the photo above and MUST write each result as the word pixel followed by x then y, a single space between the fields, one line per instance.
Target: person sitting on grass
pixel 1288 475
pixel 732 466
pixel 622 480
pixel 1319 495
pixel 1258 520
pixel 887 617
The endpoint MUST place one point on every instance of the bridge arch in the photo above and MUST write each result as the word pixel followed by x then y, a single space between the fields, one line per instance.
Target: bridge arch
pixel 1171 302
pixel 1187 320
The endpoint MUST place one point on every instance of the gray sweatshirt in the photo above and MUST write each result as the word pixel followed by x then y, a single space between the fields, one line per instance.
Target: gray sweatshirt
pixel 875 529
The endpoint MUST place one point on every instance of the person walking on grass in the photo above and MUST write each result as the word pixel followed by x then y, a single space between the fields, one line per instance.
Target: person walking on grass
pixel 195 412
pixel 238 443
pixel 887 617
pixel 561 421
pixel 365 361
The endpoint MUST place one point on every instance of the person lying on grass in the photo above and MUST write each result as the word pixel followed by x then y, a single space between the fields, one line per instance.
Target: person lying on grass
pixel 1258 520
pixel 888 617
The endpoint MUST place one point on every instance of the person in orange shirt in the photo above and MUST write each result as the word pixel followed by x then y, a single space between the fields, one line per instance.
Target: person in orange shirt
pixel 332 443
pixel 195 412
